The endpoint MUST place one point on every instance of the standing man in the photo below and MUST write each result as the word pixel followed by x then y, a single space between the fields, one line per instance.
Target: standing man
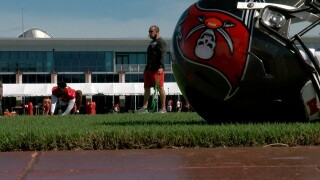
pixel 67 99
pixel 154 71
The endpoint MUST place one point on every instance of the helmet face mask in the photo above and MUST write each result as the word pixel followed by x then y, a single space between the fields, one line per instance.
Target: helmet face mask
pixel 241 58
pixel 307 56
pixel 312 3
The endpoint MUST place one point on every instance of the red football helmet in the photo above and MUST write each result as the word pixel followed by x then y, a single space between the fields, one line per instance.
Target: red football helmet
pixel 236 60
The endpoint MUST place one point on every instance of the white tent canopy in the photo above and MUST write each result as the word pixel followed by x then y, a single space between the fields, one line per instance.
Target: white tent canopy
pixel 14 90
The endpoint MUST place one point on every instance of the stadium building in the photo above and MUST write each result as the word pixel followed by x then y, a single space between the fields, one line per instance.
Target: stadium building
pixel 108 71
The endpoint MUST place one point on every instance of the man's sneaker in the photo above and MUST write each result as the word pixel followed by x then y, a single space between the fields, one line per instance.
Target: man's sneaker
pixel 142 111
pixel 161 111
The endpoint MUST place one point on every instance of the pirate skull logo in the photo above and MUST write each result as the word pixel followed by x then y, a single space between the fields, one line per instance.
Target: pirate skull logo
pixel 206 44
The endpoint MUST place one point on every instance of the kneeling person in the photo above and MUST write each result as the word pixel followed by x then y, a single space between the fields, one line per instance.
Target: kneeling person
pixel 65 99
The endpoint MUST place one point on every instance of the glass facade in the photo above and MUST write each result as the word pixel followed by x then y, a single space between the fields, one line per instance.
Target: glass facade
pixel 80 61
pixel 69 61
pixel 24 61
pixel 71 66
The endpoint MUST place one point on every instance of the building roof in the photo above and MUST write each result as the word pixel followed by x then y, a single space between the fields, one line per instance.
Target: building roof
pixel 35 33
pixel 77 44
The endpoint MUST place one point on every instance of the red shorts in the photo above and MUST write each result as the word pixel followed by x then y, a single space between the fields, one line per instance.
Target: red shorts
pixel 151 77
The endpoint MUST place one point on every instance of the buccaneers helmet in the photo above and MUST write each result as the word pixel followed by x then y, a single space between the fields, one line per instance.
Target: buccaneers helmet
pixel 238 60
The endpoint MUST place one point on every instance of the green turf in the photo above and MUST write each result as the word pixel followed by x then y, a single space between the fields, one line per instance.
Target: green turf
pixel 145 131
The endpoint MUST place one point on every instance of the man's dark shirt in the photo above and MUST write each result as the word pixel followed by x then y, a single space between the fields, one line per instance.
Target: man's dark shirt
pixel 156 54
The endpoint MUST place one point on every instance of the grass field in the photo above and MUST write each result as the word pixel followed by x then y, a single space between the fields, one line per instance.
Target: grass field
pixel 146 131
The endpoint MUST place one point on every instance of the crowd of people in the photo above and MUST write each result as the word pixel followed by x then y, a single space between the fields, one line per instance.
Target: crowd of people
pixel 178 106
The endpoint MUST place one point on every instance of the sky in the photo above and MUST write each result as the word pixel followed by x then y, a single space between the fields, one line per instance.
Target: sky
pixel 91 18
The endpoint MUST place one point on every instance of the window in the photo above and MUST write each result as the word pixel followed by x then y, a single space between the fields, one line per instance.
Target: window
pixel 8 79
pixel 122 59
pixel 132 78
pixel 108 61
pixel 72 78
pixel 169 77
pixel 36 78
pixel 83 61
pixel 104 78
pixel 168 58
pixel 142 58
pixel 131 58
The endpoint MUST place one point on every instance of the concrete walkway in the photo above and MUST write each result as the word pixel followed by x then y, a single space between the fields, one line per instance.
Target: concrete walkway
pixel 214 163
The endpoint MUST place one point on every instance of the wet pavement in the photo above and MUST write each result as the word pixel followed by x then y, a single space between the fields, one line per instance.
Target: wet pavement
pixel 212 163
